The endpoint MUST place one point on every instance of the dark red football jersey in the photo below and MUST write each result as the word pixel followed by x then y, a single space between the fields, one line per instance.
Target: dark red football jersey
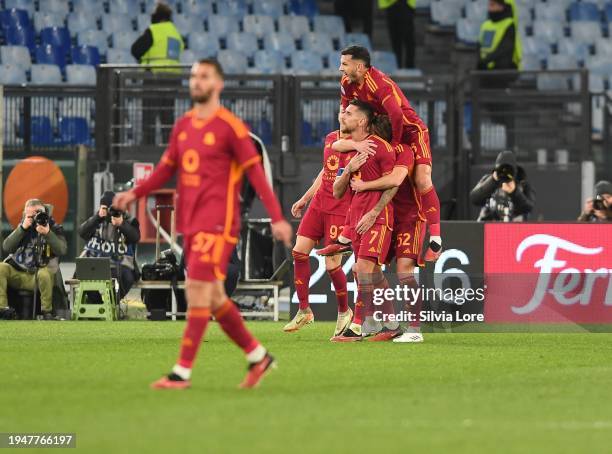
pixel 407 201
pixel 386 98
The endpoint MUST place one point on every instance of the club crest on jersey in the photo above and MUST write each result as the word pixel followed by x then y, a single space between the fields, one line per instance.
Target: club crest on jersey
pixel 209 138
pixel 333 162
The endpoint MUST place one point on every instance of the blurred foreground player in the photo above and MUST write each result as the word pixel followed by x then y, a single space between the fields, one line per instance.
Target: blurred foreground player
pixel 324 220
pixel 210 149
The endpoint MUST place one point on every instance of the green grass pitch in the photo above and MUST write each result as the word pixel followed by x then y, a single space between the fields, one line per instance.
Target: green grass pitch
pixel 454 393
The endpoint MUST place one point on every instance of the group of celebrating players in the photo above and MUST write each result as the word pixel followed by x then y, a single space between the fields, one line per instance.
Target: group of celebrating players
pixel 373 197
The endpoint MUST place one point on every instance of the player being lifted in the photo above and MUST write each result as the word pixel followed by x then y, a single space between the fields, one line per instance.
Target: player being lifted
pixel 362 81
pixel 324 220
pixel 210 150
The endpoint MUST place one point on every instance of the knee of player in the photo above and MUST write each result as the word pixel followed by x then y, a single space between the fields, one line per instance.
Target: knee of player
pixel 333 262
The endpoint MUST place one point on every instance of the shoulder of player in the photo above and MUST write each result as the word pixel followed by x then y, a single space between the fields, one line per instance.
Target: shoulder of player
pixel 235 124
pixel 381 143
pixel 332 136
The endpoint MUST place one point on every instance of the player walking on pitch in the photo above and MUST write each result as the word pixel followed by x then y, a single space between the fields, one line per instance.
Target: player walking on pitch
pixel 210 150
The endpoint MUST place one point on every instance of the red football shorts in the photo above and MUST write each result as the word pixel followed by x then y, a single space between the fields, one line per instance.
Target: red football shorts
pixel 408 237
pixel 374 244
pixel 317 225
pixel 418 142
pixel 207 255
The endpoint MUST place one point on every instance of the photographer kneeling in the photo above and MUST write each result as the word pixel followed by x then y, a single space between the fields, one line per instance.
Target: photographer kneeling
pixel 115 234
pixel 599 208
pixel 504 195
pixel 34 248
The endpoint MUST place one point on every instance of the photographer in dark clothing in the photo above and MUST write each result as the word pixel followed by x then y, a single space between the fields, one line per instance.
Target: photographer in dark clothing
pixel 504 195
pixel 598 208
pixel 34 247
pixel 115 234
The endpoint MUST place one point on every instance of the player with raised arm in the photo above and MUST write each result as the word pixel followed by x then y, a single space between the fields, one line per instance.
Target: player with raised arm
pixel 210 150
pixel 324 220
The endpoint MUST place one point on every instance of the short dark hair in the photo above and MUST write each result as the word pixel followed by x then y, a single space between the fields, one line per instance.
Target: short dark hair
pixel 381 126
pixel 214 63
pixel 364 107
pixel 358 53
pixel 162 13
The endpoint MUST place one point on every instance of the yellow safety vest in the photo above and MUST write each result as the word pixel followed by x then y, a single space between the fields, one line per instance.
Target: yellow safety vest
pixel 166 49
pixel 384 4
pixel 491 34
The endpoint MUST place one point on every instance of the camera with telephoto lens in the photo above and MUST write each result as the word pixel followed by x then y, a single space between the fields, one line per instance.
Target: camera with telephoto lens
pixel 41 218
pixel 114 212
pixel 505 172
pixel 598 204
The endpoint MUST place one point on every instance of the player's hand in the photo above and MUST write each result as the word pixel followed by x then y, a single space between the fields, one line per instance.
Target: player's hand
pixel 43 229
pixel 282 231
pixel 358 185
pixel 103 211
pixel 356 162
pixel 123 200
pixel 509 187
pixel 367 147
pixel 297 208
pixel 366 222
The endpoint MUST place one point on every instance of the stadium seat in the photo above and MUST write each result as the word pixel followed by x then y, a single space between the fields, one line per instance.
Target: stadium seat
pixel 585 32
pixel 295 26
pixel 385 61
pixel 608 12
pixel 550 11
pixel 333 61
pixel 258 25
pixel 95 38
pixel 222 26
pixel 359 39
pixel 204 45
pixel 57 37
pixel 43 74
pixel 144 20
pixel 13 18
pixel 85 55
pixel 197 8
pixel 531 62
pixel 584 11
pixel 233 62
pixel 446 13
pixel 330 25
pixel 80 75
pixel 188 57
pixel 468 31
pixel 303 7
pixel 48 54
pixel 535 46
pixel 476 11
pixel 560 61
pixel 281 42
pixel 185 24
pixel 604 47
pixel 74 131
pixel 124 39
pixel 93 8
pixel 317 43
pixel 16 56
pixel 569 46
pixel 11 74
pixel 548 30
pixel 58 7
pixel 306 62
pixel 46 20
pixel 20 36
pixel 306 133
pixel 120 56
pixel 525 17
pixel 128 8
pixel 599 65
pixel 41 133
pixel 112 23
pixel 272 8
pixel 26 5
pixel 79 21
pixel 269 61
pixel 236 8
pixel 242 42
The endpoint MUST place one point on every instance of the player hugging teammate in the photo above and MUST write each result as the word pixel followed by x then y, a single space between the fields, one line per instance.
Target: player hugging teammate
pixel 378 173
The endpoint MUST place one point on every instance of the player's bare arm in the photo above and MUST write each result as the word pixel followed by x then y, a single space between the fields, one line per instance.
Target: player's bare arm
pixel 345 145
pixel 368 219
pixel 392 180
pixel 298 207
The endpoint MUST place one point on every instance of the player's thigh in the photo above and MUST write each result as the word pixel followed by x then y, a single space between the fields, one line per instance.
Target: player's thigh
pixel 409 236
pixel 312 225
pixel 303 244
pixel 405 266
pixel 374 244
pixel 334 227
pixel 199 293
pixel 332 262
pixel 207 256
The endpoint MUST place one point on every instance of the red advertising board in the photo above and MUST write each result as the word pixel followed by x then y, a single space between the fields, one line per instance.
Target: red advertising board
pixel 548 273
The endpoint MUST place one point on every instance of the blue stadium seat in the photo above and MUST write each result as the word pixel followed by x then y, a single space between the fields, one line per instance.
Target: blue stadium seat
pixel 26 5
pixel 258 25
pixel 20 36
pixel 57 37
pixel 330 25
pixel 303 7
pixel 333 61
pixel 550 11
pixel 127 8
pixel 51 55
pixel 236 8
pixel 599 65
pixel 359 39
pixel 552 82
pixel 584 11
pixel 85 55
pixel 188 57
pixel 306 62
pixel 468 31
pixel 41 132
pixel 94 38
pixel 273 8
pixel 124 39
pixel 112 23
pixel 16 56
pixel 93 8
pixel 604 47
pixel 569 46
pixel 185 24
pixel 233 62
pixel 548 30
pixel 295 26
pixel 585 32
pixel 318 43
pixel 559 61
pixel 204 45
pixel 80 75
pixel 120 56
pixel 11 74
pixel 307 133
pixel 222 26
pixel 385 61
pixel 476 11
pixel 13 18
pixel 197 8
pixel 242 42
pixel 269 61
pixel 608 12
pixel 281 42
pixel 79 21
pixel 43 74
pixel 535 46
pixel 446 13
pixel 74 131
pixel 531 62
pixel 144 20
pixel 45 20
pixel 58 7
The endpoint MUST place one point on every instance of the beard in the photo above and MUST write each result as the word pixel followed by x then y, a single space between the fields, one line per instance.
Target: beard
pixel 202 98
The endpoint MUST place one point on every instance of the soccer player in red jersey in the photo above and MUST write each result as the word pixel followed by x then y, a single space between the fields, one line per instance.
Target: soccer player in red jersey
pixel 362 81
pixel 371 235
pixel 210 150
pixel 324 220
